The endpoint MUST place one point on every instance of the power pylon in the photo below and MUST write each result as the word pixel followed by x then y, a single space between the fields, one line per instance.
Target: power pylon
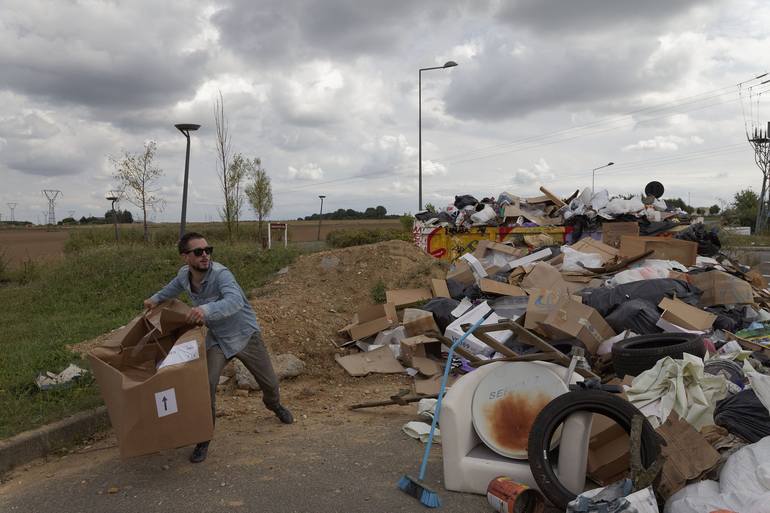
pixel 51 195
pixel 12 206
pixel 760 141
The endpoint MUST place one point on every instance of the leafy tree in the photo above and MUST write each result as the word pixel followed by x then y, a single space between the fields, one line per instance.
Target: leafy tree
pixel 380 211
pixel 68 220
pixel 679 203
pixel 430 208
pixel 138 179
pixel 259 191
pixel 714 210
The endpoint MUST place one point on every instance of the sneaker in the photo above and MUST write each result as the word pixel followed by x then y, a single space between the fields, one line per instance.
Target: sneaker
pixel 199 453
pixel 283 414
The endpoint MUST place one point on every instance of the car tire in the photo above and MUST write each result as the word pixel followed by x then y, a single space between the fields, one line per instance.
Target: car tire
pixel 556 412
pixel 635 355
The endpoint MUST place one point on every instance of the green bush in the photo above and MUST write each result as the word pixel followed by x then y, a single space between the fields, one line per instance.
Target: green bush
pixel 347 238
pixel 378 293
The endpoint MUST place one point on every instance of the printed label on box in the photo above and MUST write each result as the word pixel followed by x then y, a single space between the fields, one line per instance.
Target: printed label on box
pixel 165 402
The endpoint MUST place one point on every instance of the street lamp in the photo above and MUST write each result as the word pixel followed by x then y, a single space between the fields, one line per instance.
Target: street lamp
pixel 185 128
pixel 113 197
pixel 593 174
pixel 320 216
pixel 448 64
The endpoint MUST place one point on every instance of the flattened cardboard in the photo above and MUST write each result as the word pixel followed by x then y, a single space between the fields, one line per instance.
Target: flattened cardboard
pixel 540 305
pixel 426 366
pixel 611 232
pixel 416 322
pixel 134 391
pixel 487 245
pixel 439 288
pixel 380 360
pixel 680 313
pixel 720 288
pixel 406 297
pixel 372 320
pixel 580 321
pixel 544 276
pixel 431 385
pixel 499 288
pixel 683 251
pixel 688 456
pixel 589 245
pixel 414 346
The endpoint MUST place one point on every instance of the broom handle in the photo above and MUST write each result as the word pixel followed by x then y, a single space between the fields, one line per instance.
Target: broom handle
pixel 444 378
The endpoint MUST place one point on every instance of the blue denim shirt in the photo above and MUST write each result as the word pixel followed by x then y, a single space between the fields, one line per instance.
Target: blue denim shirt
pixel 229 317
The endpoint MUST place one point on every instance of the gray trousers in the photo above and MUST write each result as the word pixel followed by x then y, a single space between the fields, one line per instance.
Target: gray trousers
pixel 257 360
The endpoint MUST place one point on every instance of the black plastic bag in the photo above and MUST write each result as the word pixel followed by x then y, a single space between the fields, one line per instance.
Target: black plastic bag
pixel 637 315
pixel 744 415
pixel 441 308
pixel 707 239
pixel 605 300
pixel 463 201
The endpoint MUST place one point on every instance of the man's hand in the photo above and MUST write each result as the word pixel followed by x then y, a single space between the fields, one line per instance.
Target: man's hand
pixel 196 316
pixel 149 304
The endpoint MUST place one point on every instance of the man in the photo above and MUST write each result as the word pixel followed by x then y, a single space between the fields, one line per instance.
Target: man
pixel 233 331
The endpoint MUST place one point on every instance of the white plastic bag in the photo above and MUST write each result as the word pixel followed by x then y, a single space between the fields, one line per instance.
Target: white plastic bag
pixel 573 259
pixel 485 215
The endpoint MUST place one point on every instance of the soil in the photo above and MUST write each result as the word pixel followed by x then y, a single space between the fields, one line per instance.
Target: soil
pixel 20 245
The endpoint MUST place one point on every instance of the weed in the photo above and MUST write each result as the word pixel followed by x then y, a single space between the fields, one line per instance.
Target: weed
pixel 346 238
pixel 378 293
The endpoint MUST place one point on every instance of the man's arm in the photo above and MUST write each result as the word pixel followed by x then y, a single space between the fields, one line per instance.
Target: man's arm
pixel 231 302
pixel 170 291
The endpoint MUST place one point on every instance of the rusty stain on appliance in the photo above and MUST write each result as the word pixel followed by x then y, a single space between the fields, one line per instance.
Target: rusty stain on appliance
pixel 510 418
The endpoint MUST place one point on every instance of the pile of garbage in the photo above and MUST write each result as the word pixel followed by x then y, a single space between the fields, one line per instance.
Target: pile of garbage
pixel 586 210
pixel 670 327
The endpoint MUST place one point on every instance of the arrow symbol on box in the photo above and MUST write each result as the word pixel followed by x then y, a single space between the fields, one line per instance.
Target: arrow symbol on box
pixel 165 405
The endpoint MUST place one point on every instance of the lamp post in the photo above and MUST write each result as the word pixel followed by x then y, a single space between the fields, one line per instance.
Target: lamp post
pixel 448 64
pixel 185 128
pixel 113 197
pixel 320 216
pixel 593 174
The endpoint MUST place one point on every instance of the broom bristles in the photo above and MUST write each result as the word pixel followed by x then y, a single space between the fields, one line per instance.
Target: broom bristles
pixel 419 491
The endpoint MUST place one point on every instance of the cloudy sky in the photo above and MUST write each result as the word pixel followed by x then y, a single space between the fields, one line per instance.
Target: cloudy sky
pixel 325 92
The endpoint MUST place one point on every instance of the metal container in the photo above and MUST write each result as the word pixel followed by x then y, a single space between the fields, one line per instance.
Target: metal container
pixel 506 402
pixel 508 496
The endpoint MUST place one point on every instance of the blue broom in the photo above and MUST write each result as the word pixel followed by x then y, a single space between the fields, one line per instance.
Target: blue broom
pixel 415 487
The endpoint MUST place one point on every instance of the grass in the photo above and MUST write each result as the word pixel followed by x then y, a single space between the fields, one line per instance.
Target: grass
pixel 97 287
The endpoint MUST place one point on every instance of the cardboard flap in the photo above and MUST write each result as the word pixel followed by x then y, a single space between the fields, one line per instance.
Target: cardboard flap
pixel 381 361
pixel 683 251
pixel 544 276
pixel 589 245
pixel 439 288
pixel 499 288
pixel 720 288
pixel 680 313
pixel 404 297
pixel 168 316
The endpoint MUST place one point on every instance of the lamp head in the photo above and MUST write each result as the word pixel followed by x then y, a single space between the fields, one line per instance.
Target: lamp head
pixel 187 127
pixel 450 64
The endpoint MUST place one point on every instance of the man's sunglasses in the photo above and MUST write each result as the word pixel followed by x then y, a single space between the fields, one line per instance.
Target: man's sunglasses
pixel 199 251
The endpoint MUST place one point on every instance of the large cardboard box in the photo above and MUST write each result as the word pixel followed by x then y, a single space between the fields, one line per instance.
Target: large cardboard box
pixel 683 251
pixel 680 313
pixel 720 288
pixel 540 305
pixel 154 381
pixel 545 276
pixel 580 321
pixel 611 232
pixel 371 320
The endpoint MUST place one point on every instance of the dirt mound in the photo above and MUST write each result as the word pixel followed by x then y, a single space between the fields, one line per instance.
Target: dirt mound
pixel 301 311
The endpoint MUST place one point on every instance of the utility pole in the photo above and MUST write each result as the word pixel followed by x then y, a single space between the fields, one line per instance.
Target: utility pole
pixel 51 195
pixel 761 144
pixel 320 216
pixel 12 206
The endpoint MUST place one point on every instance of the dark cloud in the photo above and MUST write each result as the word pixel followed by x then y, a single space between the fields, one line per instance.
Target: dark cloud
pixel 581 15
pixel 509 81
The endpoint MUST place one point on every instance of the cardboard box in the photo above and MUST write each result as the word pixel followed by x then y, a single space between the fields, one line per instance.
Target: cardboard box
pixel 380 360
pixel 611 232
pixel 589 245
pixel 680 313
pixel 688 456
pixel 499 288
pixel 720 288
pixel 371 320
pixel 609 460
pixel 154 380
pixel 683 251
pixel 406 297
pixel 416 322
pixel 540 305
pixel 439 288
pixel 580 321
pixel 415 347
pixel 486 246
pixel 544 276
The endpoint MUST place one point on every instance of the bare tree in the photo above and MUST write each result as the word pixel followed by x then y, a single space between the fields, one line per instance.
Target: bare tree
pixel 138 179
pixel 260 193
pixel 227 212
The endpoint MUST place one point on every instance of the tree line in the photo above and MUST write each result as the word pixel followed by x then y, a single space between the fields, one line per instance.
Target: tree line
pixel 378 212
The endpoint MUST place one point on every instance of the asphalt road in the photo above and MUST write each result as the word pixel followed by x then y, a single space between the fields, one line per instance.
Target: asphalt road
pixel 328 465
